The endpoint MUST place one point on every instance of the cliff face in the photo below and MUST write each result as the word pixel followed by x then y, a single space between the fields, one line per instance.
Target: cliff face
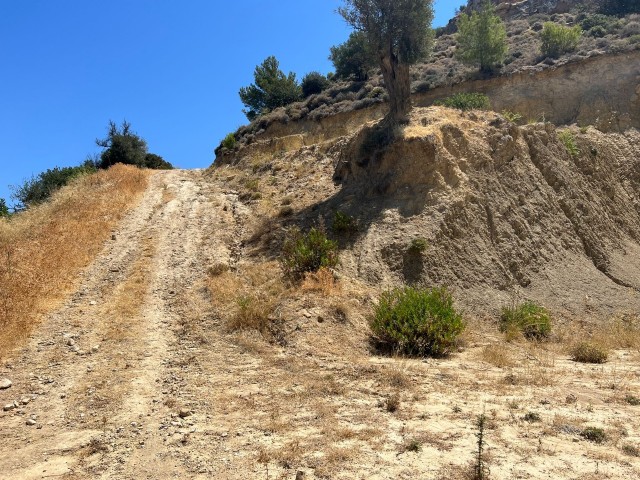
pixel 603 91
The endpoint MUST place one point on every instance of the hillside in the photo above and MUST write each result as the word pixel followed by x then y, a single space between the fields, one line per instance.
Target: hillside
pixel 149 329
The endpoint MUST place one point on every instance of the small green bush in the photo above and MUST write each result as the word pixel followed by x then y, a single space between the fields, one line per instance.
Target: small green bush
pixel 585 352
pixel 343 223
pixel 632 400
pixel 307 252
pixel 532 417
pixel 558 39
pixel 417 322
pixel 229 142
pixel 594 434
pixel 569 141
pixel 529 318
pixel 466 101
pixel 418 245
pixel 156 162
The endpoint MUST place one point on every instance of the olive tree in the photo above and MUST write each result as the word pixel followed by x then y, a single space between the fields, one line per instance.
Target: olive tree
pixel 398 33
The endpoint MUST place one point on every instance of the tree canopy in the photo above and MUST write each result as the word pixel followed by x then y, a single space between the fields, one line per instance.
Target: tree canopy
pixel 122 145
pixel 399 33
pixel 482 38
pixel 272 89
pixel 353 59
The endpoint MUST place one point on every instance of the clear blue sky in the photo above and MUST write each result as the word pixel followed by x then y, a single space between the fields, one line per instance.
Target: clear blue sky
pixel 170 67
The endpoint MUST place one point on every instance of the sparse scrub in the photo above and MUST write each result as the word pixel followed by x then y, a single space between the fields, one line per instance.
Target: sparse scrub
pixel 480 468
pixel 307 252
pixel 252 314
pixel 569 141
pixel 532 417
pixel 417 322
pixel 321 281
pixel 631 450
pixel 558 39
pixel 588 352
pixel 512 117
pixel 632 400
pixel 343 223
pixel 229 142
pixel 466 101
pixel 594 434
pixel 392 403
pixel 497 356
pixel 528 318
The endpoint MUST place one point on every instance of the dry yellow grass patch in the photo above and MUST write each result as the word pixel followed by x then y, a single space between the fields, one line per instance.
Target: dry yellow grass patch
pixel 42 250
pixel 321 281
pixel 248 298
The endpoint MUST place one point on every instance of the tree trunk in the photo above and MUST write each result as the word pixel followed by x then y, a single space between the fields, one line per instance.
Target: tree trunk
pixel 397 81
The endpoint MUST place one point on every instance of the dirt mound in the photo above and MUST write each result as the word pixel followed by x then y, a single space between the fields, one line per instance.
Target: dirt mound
pixel 503 209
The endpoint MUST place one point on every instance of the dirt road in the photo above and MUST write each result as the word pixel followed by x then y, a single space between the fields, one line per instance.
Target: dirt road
pixel 97 390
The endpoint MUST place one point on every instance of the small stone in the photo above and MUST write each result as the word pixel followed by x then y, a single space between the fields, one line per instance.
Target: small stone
pixel 31 422
pixel 320 319
pixel 25 400
pixel 300 475
pixel 113 236
pixel 95 349
pixel 93 302
pixel 305 313
pixel 571 398
pixel 8 407
pixel 5 383
pixel 183 413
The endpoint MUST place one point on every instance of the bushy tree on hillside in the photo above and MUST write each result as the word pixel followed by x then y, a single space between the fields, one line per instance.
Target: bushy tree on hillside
pixel 312 83
pixel 399 33
pixel 482 38
pixel 352 59
pixel 272 89
pixel 122 145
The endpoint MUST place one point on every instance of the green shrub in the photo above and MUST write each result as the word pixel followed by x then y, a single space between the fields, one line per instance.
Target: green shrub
pixel 417 322
pixel 307 252
pixel 418 245
pixel 229 142
pixel 512 117
pixel 558 39
pixel 466 101
pixel 569 141
pixel 586 352
pixel 530 319
pixel 594 434
pixel 343 223
pixel 598 25
pixel 38 189
pixel 312 83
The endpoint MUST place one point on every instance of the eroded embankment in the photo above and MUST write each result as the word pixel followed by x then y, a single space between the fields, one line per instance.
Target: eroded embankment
pixel 503 209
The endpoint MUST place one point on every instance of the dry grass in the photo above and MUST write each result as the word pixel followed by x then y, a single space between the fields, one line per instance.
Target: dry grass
pixel 248 298
pixel 322 282
pixel 42 250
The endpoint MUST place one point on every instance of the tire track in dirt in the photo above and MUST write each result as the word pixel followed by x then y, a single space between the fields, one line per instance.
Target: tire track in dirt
pixel 97 378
